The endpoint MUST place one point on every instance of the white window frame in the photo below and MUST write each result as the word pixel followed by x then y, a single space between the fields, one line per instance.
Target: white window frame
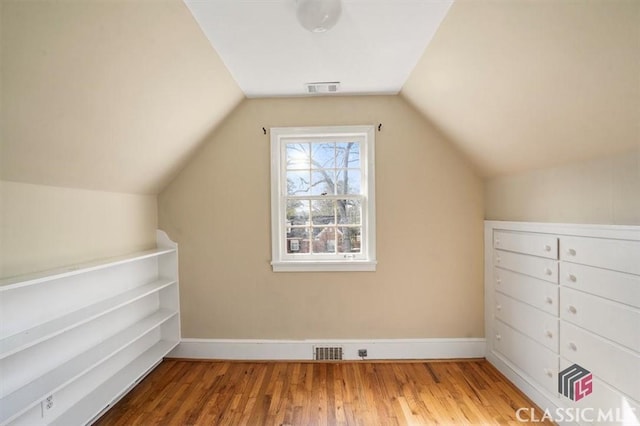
pixel 281 260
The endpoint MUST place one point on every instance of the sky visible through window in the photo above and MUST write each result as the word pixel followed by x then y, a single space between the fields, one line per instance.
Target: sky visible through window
pixel 323 201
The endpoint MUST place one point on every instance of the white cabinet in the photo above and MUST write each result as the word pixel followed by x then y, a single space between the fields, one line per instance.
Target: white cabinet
pixel 525 304
pixel 517 348
pixel 558 295
pixel 537 293
pixel 74 341
pixel 612 363
pixel 532 322
pixel 618 255
pixel 537 267
pixel 618 322
pixel 527 243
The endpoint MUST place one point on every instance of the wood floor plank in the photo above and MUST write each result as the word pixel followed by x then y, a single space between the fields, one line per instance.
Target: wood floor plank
pixel 194 393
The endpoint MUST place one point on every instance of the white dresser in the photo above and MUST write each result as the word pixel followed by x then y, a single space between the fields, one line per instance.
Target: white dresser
pixel 558 295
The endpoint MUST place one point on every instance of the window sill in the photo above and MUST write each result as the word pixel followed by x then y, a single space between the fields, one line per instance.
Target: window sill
pixel 325 266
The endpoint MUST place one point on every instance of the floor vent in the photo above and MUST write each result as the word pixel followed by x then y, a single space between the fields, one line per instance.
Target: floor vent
pixel 328 353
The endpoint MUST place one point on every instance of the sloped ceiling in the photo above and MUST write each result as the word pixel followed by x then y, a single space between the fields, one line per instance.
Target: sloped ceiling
pixel 106 95
pixel 524 84
pixel 116 95
pixel 372 48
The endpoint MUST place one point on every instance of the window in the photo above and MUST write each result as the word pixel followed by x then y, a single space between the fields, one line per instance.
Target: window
pixel 322 199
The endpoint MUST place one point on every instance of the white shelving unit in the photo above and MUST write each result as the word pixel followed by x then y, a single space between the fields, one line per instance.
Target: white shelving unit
pixel 74 341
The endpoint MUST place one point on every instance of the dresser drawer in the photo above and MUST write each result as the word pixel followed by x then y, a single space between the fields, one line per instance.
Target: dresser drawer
pixel 540 294
pixel 536 361
pixel 526 243
pixel 618 286
pixel 541 327
pixel 618 255
pixel 611 320
pixel 537 267
pixel 614 364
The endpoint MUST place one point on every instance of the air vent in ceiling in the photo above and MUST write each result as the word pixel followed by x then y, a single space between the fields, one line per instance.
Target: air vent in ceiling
pixel 323 87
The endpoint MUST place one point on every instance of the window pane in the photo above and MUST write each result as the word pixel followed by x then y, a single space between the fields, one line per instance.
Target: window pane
pixel 298 240
pixel 348 181
pixel 326 239
pixel 350 241
pixel 349 212
pixel 297 183
pixel 348 155
pixel 322 183
pixel 323 155
pixel 297 212
pixel 323 212
pixel 298 156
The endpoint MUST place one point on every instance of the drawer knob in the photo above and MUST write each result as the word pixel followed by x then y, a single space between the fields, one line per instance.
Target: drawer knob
pixel 548 372
pixel 549 300
pixel 573 346
pixel 497 242
pixel 547 247
pixel 498 280
pixel 573 309
pixel 573 278
pixel 549 334
pixel 572 252
pixel 548 271
pixel 498 337
pixel 498 306
pixel 497 259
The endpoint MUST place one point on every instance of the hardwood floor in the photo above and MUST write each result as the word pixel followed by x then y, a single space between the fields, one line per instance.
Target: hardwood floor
pixel 186 392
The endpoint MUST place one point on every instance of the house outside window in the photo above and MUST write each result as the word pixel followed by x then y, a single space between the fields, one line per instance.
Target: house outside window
pixel 323 198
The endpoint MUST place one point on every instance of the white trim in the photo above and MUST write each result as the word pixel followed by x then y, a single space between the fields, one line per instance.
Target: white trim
pixel 378 349
pixel 623 232
pixel 320 266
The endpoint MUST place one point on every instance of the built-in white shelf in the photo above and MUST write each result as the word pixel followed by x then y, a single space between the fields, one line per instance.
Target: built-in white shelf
pixel 82 268
pixel 94 403
pixel 103 323
pixel 12 344
pixel 26 397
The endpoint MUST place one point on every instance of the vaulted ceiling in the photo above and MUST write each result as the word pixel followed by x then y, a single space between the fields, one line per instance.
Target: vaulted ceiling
pixel 372 49
pixel 117 96
pixel 106 95
pixel 524 84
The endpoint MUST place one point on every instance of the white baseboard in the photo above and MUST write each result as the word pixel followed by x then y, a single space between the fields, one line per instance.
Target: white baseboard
pixel 303 349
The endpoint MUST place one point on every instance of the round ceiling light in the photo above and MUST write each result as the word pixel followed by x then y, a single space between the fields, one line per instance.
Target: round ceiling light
pixel 318 16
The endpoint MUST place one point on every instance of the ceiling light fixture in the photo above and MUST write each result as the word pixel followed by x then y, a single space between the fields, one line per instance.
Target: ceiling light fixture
pixel 318 16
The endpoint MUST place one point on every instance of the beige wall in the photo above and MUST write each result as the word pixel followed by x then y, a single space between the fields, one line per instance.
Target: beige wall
pixel 43 227
pixel 429 212
pixel 606 190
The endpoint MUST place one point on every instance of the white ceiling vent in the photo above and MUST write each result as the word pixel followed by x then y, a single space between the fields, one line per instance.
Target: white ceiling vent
pixel 323 87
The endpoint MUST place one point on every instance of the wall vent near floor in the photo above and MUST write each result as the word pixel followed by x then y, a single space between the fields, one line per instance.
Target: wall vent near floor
pixel 327 353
